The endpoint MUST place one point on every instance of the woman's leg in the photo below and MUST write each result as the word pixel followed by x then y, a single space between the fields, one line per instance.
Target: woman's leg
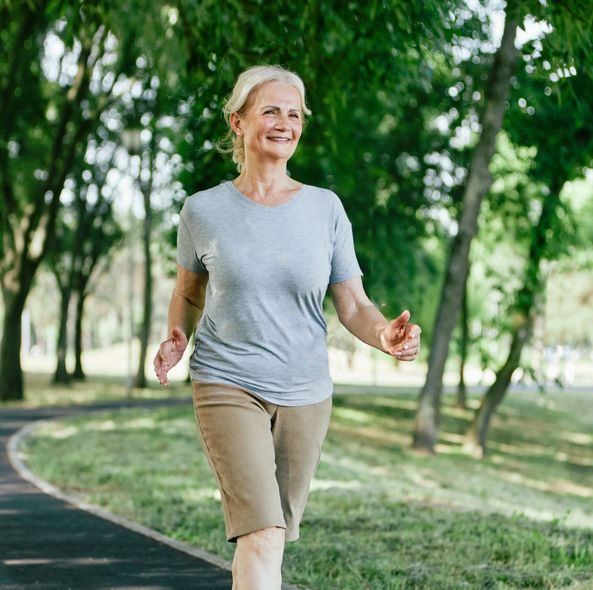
pixel 258 560
pixel 298 433
pixel 235 429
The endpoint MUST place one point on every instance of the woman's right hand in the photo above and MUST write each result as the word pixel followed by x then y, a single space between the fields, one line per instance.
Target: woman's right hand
pixel 169 354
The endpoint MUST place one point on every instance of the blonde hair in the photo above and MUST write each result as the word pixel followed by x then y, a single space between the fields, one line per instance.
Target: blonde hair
pixel 249 81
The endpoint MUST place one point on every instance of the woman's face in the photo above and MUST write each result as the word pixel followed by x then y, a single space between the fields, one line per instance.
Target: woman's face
pixel 272 125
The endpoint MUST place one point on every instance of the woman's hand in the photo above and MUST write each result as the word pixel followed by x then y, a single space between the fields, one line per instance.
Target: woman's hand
pixel 169 354
pixel 401 339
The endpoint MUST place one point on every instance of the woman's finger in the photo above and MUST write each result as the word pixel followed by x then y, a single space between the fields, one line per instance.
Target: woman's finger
pixel 413 332
pixel 408 351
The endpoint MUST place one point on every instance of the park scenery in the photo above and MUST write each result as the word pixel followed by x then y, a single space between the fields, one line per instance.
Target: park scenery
pixel 459 138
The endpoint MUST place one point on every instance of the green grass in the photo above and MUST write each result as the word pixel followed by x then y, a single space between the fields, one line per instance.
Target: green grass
pixel 380 517
pixel 40 391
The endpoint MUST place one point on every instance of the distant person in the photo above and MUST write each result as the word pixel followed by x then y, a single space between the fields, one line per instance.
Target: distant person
pixel 255 258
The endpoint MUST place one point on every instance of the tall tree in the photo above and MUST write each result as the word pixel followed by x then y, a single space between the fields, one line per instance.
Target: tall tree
pixel 60 260
pixel 523 318
pixel 30 205
pixel 85 234
pixel 560 157
pixel 463 350
pixel 47 132
pixel 101 234
pixel 146 183
pixel 478 183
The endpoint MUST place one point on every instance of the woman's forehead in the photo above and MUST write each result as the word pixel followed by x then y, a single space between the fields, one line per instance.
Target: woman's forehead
pixel 277 93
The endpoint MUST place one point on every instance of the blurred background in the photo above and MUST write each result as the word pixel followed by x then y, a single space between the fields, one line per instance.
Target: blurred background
pixel 458 134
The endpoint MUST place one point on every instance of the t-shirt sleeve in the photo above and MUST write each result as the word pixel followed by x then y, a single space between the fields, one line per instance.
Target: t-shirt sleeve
pixel 187 254
pixel 344 264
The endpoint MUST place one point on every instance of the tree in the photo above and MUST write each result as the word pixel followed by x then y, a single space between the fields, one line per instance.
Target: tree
pixel 60 260
pixel 463 346
pixel 146 185
pixel 29 209
pixel 85 235
pixel 559 158
pixel 478 183
pixel 47 133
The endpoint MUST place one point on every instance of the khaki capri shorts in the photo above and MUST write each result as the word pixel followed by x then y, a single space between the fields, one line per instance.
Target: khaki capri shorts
pixel 263 456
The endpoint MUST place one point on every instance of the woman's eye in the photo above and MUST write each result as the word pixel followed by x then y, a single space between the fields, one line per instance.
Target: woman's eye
pixel 294 116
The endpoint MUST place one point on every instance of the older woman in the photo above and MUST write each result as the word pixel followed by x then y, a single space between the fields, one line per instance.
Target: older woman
pixel 255 258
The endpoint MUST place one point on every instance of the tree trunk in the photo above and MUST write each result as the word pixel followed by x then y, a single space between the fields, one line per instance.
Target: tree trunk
pixel 78 373
pixel 533 286
pixel 146 188
pixel 479 181
pixel 29 239
pixel 477 433
pixel 462 390
pixel 61 373
pixel 140 380
pixel 11 373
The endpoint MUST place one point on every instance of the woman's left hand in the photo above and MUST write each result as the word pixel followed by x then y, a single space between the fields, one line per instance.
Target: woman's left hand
pixel 400 338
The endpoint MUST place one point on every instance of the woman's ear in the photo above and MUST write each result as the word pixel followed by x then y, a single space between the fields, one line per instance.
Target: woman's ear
pixel 235 122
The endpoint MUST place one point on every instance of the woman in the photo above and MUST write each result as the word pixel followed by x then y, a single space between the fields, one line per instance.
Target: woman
pixel 255 258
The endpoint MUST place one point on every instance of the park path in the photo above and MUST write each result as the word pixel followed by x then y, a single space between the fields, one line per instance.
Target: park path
pixel 50 544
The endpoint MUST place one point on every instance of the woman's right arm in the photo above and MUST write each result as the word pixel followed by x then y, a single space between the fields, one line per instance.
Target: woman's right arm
pixel 185 310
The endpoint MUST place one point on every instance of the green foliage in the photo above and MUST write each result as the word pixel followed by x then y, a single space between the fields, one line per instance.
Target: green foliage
pixel 526 223
pixel 86 231
pixel 375 82
pixel 395 88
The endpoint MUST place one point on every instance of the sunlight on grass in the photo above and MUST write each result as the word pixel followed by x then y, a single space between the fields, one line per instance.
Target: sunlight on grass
pixel 396 402
pixel 523 450
pixel 451 449
pixel 380 516
pixel 60 431
pixel 452 438
pixel 583 461
pixel 376 434
pixel 578 438
pixel 557 486
pixel 197 495
pixel 353 415
pixel 40 391
pixel 144 422
pixel 327 484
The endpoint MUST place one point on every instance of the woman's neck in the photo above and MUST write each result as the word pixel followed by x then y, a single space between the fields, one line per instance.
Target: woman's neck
pixel 262 183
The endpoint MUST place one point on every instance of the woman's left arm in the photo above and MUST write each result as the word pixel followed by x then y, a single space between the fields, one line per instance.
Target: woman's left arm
pixel 360 316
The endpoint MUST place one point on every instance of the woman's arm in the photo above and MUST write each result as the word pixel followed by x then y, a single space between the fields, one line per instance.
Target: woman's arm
pixel 185 309
pixel 360 316
pixel 187 301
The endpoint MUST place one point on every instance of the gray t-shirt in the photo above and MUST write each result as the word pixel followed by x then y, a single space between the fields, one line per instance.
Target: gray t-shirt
pixel 269 268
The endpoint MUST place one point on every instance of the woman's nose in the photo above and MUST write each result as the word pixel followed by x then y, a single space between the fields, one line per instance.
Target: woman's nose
pixel 282 121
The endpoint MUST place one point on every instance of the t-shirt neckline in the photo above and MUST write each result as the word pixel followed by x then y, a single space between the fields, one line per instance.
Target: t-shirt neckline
pixel 231 186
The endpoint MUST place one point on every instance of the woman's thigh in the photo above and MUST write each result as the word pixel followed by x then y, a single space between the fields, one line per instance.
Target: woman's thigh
pixel 236 433
pixel 298 434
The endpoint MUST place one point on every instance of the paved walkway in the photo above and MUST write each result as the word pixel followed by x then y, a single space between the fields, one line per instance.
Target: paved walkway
pixel 50 544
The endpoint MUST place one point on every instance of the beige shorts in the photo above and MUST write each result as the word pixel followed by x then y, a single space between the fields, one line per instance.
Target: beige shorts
pixel 263 456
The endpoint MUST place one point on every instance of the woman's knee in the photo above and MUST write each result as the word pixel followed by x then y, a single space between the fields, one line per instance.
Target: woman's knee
pixel 264 541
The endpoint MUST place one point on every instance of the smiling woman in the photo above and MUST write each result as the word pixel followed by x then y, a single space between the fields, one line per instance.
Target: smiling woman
pixel 243 96
pixel 269 129
pixel 255 259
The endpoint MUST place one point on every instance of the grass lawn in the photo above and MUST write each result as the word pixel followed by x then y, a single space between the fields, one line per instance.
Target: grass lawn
pixel 379 516
pixel 40 391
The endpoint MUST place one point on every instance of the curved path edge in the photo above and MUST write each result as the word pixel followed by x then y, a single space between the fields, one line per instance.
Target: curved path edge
pixel 14 456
